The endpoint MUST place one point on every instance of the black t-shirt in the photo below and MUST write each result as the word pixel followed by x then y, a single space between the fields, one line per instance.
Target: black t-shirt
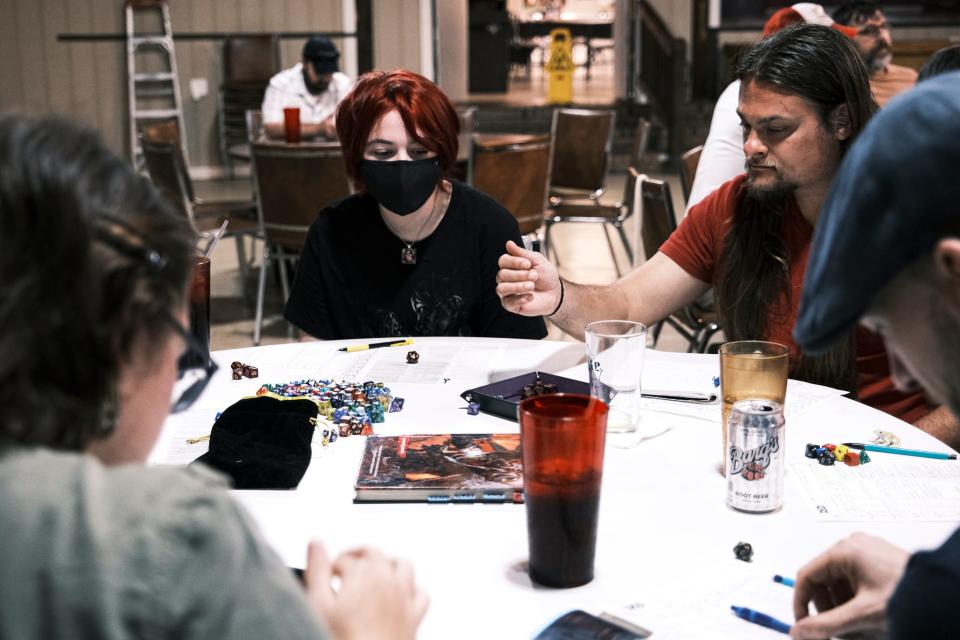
pixel 928 596
pixel 351 283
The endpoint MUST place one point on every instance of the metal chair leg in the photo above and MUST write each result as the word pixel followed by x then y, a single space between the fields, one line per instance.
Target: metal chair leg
pixel 244 266
pixel 261 289
pixel 282 257
pixel 613 254
pixel 657 328
pixel 546 240
pixel 626 243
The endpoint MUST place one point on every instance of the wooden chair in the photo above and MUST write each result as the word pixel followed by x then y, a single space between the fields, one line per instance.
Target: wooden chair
pixel 582 140
pixel 292 184
pixel 688 169
pixel 607 215
pixel 169 173
pixel 514 173
pixel 694 322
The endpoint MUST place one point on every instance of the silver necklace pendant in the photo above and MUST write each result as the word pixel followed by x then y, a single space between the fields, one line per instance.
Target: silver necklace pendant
pixel 408 255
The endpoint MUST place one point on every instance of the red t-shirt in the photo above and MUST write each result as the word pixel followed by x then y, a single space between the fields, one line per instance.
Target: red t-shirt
pixel 696 246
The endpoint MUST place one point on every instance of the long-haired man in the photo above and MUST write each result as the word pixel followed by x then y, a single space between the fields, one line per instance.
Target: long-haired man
pixel 804 97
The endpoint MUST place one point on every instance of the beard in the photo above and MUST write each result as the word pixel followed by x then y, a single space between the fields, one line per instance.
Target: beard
pixel 772 193
pixel 315 88
pixel 878 58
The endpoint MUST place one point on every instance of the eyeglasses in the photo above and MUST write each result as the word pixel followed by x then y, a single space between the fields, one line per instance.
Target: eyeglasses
pixel 195 367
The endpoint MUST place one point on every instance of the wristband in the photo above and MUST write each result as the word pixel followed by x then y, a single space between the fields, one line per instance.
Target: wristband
pixel 560 303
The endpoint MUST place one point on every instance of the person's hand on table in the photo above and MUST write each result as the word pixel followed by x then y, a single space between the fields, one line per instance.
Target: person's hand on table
pixel 378 597
pixel 527 283
pixel 850 585
pixel 328 128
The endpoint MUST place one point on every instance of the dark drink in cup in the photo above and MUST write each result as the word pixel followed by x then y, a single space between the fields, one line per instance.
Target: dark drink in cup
pixel 562 437
pixel 199 314
pixel 291 124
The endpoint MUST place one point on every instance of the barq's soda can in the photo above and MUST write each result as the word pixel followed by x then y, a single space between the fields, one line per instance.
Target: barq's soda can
pixel 754 463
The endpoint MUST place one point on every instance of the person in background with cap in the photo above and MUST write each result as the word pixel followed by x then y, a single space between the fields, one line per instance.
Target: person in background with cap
pixel 887 249
pixel 876 46
pixel 315 85
pixel 722 156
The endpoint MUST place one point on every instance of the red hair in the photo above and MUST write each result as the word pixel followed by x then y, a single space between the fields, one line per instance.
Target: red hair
pixel 427 113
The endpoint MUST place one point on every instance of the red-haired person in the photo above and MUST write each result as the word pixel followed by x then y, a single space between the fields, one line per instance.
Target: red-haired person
pixel 412 252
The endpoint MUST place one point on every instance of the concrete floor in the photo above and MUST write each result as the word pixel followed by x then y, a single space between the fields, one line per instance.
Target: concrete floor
pixel 584 257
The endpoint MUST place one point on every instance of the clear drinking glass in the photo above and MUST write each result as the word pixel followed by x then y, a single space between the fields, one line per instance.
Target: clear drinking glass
pixel 615 349
pixel 751 370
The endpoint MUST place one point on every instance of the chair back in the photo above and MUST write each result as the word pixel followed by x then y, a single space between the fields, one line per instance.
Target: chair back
pixel 688 169
pixel 292 184
pixel 582 140
pixel 515 175
pixel 250 59
pixel 168 132
pixel 658 220
pixel 169 175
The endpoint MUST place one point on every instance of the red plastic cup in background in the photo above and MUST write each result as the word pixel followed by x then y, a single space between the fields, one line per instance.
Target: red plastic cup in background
pixel 291 123
pixel 562 437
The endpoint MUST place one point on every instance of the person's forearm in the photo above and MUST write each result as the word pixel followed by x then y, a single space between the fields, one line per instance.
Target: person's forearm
pixel 584 303
pixel 278 130
pixel 942 425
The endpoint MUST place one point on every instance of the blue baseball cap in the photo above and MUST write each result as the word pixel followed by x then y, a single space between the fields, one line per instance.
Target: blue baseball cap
pixel 896 194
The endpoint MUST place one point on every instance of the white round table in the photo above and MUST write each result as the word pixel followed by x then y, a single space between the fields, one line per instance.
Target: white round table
pixel 665 539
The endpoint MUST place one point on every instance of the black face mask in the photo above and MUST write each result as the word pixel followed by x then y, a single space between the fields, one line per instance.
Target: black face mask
pixel 401 186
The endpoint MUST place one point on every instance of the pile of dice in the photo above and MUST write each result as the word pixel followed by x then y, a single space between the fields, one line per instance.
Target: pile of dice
pixel 350 408
pixel 538 388
pixel 828 454
pixel 241 370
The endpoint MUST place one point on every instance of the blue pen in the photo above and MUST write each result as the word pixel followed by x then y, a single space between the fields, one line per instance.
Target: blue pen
pixel 936 455
pixel 787 582
pixel 761 619
pixel 716 382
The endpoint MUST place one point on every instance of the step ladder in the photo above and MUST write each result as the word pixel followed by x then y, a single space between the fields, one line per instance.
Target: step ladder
pixel 153 90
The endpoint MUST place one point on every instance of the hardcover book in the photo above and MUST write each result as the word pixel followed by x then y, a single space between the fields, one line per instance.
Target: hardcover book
pixel 481 467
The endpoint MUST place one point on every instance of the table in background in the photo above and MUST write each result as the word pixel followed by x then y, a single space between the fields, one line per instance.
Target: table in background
pixel 662 515
pixel 243 152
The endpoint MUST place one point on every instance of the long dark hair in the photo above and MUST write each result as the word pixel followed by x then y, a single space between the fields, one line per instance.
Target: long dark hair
pixel 92 263
pixel 853 13
pixel 823 67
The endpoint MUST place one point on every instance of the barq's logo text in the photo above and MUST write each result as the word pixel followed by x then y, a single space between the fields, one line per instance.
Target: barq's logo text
pixel 759 456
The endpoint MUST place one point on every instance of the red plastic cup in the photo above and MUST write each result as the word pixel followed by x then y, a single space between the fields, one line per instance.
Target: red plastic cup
pixel 291 123
pixel 562 437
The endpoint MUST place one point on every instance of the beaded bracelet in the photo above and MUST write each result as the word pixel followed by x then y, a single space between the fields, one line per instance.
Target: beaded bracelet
pixel 560 303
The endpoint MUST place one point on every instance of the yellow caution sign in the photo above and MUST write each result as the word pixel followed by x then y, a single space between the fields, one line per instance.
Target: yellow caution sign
pixel 560 67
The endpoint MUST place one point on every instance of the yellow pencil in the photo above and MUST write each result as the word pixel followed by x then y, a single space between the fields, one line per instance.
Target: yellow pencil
pixel 377 345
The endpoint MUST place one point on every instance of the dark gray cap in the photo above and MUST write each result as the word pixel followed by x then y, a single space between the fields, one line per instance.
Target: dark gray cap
pixel 896 194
